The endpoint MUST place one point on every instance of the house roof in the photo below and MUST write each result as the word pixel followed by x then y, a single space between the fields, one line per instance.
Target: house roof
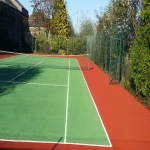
pixel 20 4
pixel 17 5
pixel 8 2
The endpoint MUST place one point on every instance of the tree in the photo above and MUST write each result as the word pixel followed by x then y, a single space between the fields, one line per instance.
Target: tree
pixel 59 22
pixel 140 53
pixel 86 26
pixel 42 13
pixel 124 13
pixel 72 32
pixel 104 18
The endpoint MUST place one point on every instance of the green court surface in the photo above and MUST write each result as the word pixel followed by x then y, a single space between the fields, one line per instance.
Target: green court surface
pixel 47 100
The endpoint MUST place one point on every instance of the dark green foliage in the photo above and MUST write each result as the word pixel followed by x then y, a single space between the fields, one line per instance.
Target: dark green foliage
pixel 86 27
pixel 140 54
pixel 58 44
pixel 60 22
pixel 134 19
pixel 123 13
pixel 79 45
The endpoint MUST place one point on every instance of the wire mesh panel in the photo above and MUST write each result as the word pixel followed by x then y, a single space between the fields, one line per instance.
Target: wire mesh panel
pixel 106 50
pixel 115 60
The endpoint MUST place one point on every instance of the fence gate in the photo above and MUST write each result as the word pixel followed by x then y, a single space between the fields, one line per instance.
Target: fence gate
pixel 115 62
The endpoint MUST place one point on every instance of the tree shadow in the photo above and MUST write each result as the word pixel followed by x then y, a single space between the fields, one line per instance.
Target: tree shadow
pixel 57 143
pixel 9 72
pixel 5 145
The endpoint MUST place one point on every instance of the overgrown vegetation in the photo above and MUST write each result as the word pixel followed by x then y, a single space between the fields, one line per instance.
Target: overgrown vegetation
pixel 86 26
pixel 121 40
pixel 60 22
pixel 133 20
pixel 55 33
pixel 58 44
pixel 140 55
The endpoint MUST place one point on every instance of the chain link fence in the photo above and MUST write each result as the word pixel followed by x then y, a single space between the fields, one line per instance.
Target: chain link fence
pixel 106 49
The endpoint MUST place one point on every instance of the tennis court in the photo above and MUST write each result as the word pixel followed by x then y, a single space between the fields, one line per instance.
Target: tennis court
pixel 47 100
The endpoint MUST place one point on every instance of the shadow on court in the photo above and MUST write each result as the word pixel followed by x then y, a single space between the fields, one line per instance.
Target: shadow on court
pixel 57 144
pixel 48 147
pixel 8 73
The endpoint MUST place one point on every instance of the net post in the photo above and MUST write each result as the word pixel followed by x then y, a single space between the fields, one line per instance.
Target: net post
pixel 88 57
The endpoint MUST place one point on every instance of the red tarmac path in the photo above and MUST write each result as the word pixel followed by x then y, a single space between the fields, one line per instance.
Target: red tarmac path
pixel 126 120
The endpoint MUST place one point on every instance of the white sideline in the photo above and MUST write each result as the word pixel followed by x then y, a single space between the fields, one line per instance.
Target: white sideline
pixel 95 107
pixel 66 121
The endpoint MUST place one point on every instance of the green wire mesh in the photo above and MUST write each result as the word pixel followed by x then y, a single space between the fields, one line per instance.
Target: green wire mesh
pixel 106 50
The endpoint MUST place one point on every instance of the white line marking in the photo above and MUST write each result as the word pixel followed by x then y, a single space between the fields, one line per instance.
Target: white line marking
pixel 26 71
pixel 66 123
pixel 95 107
pixel 66 114
pixel 48 60
pixel 34 55
pixel 50 142
pixel 56 61
pixel 12 59
pixel 31 83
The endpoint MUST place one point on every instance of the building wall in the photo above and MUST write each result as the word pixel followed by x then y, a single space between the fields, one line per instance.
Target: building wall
pixel 13 24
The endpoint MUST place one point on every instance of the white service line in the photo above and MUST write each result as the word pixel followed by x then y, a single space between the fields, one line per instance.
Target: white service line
pixel 57 60
pixel 32 83
pixel 66 122
pixel 47 60
pixel 13 59
pixel 25 71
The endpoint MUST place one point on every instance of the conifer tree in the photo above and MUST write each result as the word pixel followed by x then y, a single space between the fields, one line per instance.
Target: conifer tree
pixel 140 53
pixel 59 23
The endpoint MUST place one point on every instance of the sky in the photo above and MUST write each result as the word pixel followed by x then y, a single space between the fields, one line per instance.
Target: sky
pixel 76 9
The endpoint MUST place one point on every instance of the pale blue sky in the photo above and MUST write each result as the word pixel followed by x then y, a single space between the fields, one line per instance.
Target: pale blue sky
pixel 74 6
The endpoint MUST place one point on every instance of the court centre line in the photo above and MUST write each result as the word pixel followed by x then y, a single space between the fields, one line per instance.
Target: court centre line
pixel 50 142
pixel 26 71
pixel 66 123
pixel 32 83
pixel 95 106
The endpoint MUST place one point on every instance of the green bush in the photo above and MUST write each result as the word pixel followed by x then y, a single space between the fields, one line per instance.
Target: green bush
pixel 140 63
pixel 140 54
pixel 61 52
pixel 56 43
